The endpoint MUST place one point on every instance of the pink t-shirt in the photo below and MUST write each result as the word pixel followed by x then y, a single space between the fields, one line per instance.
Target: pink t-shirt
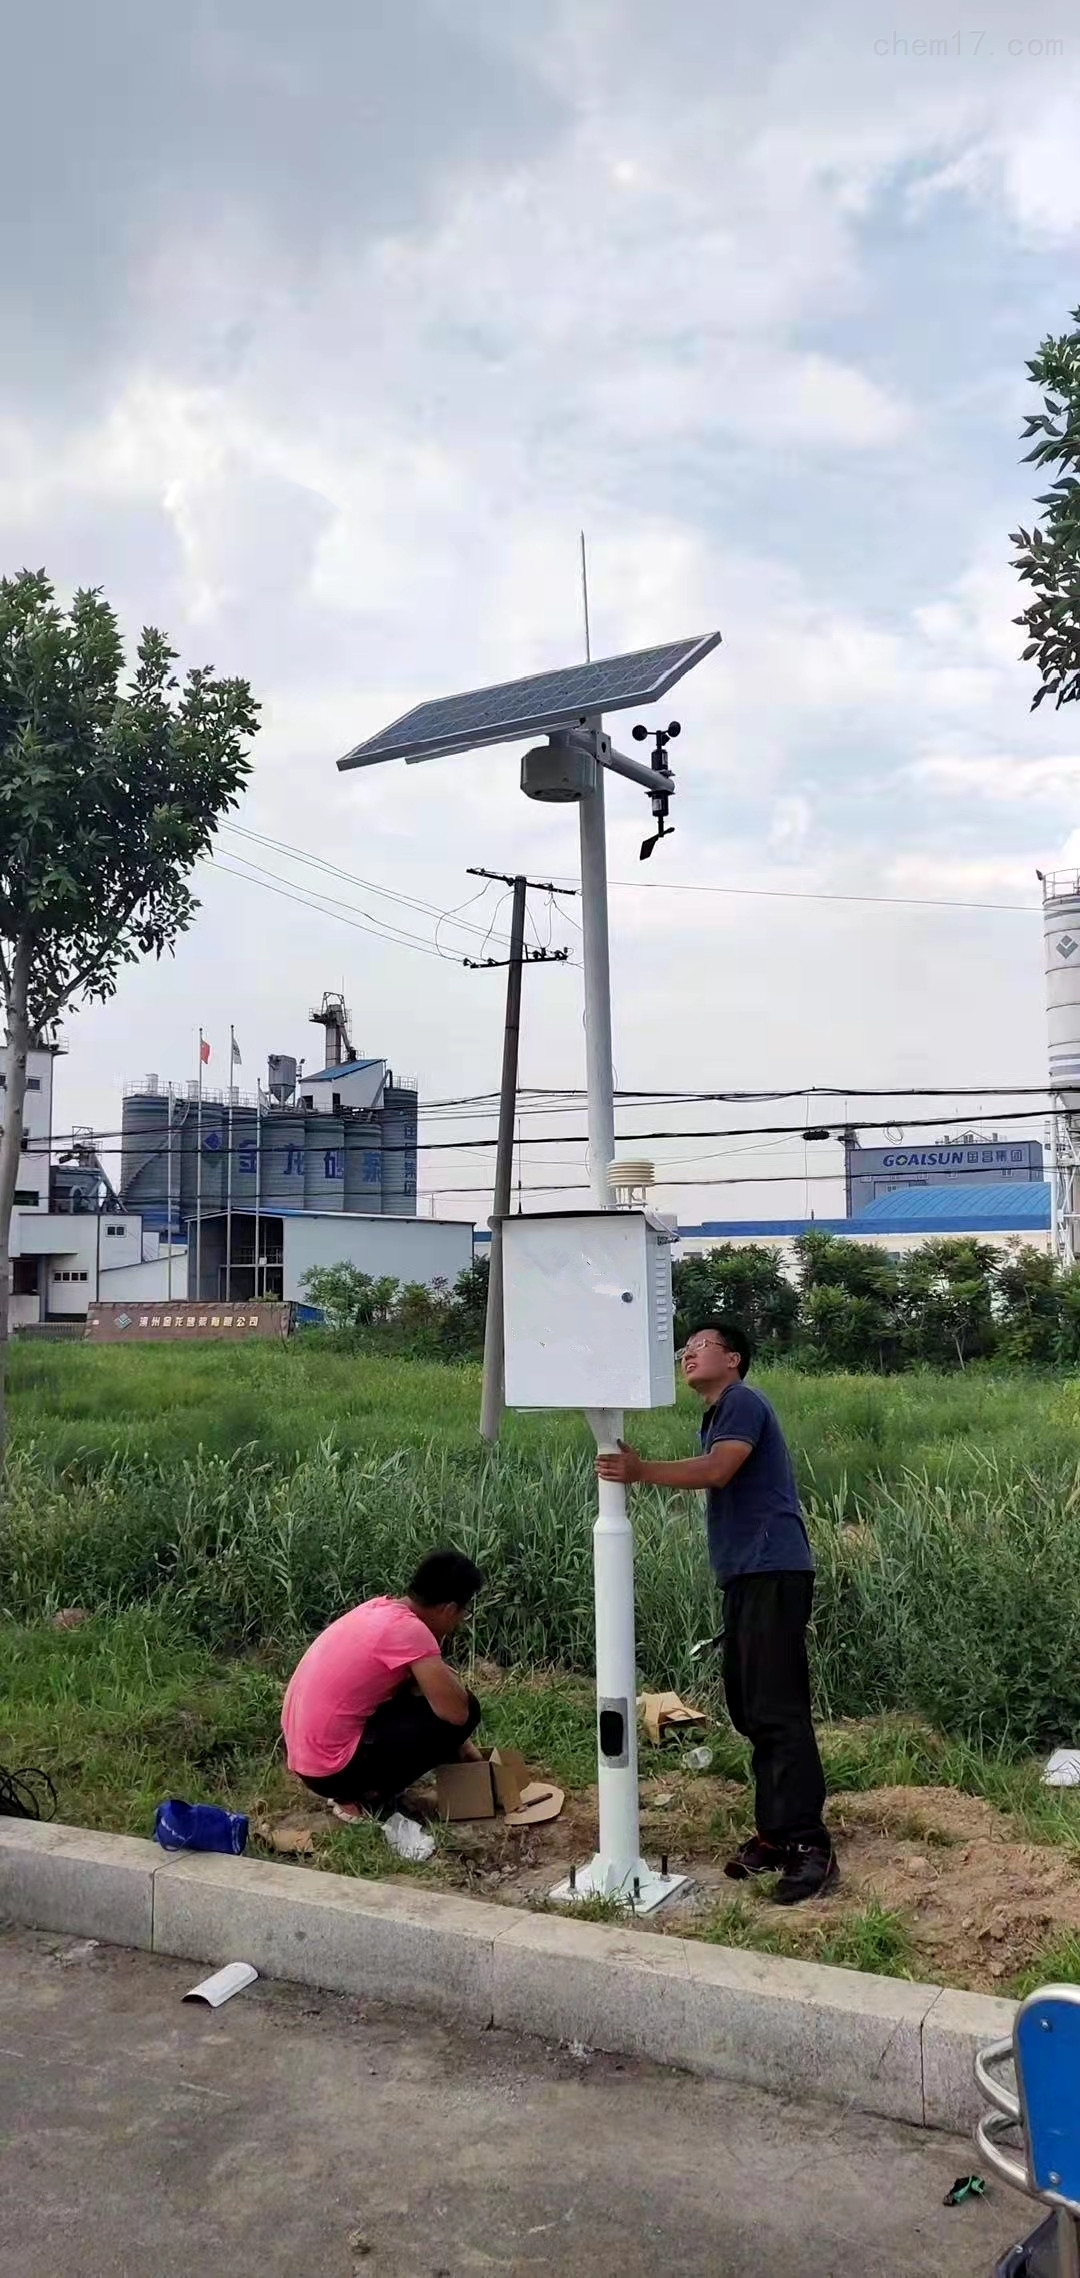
pixel 345 1675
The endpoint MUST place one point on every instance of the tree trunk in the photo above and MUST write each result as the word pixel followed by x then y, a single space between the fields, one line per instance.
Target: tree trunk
pixel 13 1098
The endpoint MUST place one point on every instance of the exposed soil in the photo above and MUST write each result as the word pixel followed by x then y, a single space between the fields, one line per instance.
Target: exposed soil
pixel 979 1904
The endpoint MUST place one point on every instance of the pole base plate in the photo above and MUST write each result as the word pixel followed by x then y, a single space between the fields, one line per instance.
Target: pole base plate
pixel 637 1888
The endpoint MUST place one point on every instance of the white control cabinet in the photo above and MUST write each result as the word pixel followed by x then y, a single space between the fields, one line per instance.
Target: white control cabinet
pixel 587 1310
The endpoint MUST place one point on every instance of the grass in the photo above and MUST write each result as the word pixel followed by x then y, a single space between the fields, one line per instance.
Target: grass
pixel 83 1403
pixel 1057 1964
pixel 212 1507
pixel 873 1937
pixel 947 1603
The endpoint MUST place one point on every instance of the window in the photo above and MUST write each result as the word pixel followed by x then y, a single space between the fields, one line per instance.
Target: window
pixel 24 1277
pixel 28 1197
pixel 33 1083
pixel 116 1233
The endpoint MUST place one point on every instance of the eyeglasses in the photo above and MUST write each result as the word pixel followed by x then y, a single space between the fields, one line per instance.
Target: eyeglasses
pixel 709 1345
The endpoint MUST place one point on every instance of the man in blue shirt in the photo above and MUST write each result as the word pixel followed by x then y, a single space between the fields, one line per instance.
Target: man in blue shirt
pixel 760 1553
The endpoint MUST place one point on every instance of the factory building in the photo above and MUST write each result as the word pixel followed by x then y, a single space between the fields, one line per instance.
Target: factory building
pixel 342 1139
pixel 972 1159
pixel 223 1195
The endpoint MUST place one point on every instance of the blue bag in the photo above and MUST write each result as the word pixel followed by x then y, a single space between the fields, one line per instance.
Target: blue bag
pixel 199 1827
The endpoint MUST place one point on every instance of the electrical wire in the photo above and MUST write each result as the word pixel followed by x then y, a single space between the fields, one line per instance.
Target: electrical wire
pixel 367 885
pixel 809 894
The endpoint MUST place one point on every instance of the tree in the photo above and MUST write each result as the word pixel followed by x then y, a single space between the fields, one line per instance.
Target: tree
pixel 946 1300
pixel 1049 557
pixel 748 1284
pixel 108 798
pixel 349 1298
pixel 1028 1304
pixel 849 1302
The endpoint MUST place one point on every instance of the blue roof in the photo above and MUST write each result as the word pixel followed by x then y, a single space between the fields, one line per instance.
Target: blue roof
pixel 346 1068
pixel 1002 1207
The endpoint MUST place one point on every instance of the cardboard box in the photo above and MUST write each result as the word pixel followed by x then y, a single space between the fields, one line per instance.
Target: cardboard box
pixel 500 1782
pixel 478 1791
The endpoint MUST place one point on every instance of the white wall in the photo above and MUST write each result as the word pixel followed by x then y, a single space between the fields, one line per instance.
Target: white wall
pixel 37 1124
pixel 412 1249
pixel 70 1246
pixel 145 1279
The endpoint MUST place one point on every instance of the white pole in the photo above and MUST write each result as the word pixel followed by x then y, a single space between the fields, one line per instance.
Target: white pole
pixel 258 1178
pixel 198 1181
pixel 169 1219
pixel 228 1167
pixel 618 1864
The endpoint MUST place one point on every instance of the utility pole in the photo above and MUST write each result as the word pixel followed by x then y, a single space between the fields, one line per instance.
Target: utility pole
pixel 491 1399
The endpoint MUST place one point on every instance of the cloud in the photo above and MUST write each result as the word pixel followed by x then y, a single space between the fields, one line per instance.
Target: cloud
pixel 323 339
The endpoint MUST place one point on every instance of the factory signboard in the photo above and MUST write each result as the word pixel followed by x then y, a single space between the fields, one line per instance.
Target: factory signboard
pixel 874 1171
pixel 173 1322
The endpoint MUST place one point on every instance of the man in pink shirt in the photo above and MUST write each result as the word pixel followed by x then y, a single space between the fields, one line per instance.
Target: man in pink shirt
pixel 372 1706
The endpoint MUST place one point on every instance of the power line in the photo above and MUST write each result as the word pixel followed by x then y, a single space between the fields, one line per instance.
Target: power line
pixel 809 894
pixel 634 1138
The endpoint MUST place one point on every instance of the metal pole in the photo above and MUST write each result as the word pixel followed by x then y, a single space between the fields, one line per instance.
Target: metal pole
pixel 258 1179
pixel 491 1399
pixel 228 1168
pixel 169 1190
pixel 618 1865
pixel 198 1181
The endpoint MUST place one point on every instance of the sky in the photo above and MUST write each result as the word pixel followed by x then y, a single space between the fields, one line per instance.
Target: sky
pixel 325 332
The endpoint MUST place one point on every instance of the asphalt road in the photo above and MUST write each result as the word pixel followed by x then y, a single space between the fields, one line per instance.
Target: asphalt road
pixel 308 2135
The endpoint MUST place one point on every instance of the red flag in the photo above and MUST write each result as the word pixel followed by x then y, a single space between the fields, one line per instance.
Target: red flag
pixel 204 1050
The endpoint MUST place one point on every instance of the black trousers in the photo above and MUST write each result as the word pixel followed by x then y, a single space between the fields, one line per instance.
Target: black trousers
pixel 401 1742
pixel 767 1684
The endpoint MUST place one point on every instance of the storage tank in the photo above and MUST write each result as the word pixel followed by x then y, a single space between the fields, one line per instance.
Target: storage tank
pixel 1061 935
pixel 324 1163
pixel 399 1153
pixel 363 1165
pixel 144 1146
pixel 1061 941
pixel 213 1144
pixel 283 1162
pixel 245 1153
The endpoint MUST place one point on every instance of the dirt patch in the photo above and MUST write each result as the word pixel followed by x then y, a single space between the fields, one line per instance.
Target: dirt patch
pixel 978 1902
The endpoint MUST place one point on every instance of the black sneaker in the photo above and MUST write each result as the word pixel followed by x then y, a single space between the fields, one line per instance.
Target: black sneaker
pixel 810 1873
pixel 757 1857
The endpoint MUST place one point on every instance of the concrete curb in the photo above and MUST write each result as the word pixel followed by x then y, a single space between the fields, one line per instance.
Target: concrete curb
pixel 875 2044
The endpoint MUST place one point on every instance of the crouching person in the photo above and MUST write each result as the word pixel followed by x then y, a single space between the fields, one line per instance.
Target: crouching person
pixel 373 1707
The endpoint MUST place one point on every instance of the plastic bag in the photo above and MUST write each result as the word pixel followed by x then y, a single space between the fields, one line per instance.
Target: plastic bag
pixel 407 1839
pixel 199 1827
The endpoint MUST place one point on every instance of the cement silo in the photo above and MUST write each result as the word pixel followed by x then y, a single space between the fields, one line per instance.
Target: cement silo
pixel 283 1161
pixel 243 1141
pixel 324 1162
pixel 363 1165
pixel 399 1152
pixel 144 1149
pixel 1061 941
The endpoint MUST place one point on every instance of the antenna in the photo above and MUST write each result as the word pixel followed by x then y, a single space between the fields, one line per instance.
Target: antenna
pixel 585 599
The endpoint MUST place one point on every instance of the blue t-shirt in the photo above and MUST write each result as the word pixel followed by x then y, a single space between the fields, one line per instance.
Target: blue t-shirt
pixel 755 1523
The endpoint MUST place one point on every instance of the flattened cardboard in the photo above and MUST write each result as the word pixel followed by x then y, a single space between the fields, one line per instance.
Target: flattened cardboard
pixel 539 1801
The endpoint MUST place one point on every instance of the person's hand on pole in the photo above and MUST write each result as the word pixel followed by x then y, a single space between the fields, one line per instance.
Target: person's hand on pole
pixel 620 1470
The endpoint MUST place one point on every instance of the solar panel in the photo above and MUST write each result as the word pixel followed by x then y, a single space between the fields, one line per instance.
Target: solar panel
pixel 545 700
